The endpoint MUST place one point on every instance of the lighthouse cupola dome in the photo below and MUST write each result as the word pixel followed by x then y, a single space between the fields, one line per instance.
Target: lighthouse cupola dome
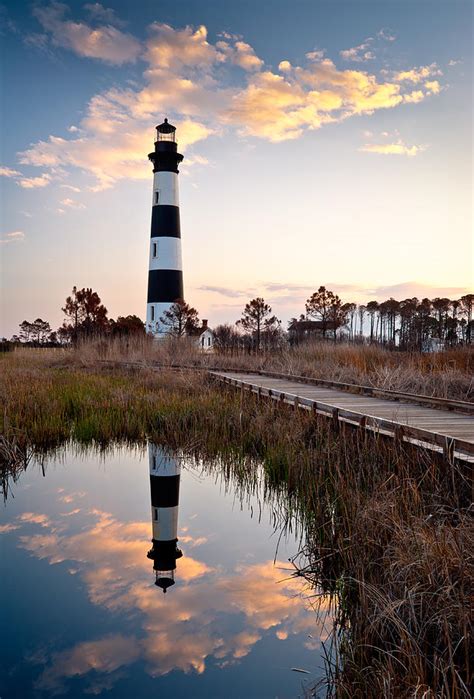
pixel 165 157
pixel 166 131
pixel 164 579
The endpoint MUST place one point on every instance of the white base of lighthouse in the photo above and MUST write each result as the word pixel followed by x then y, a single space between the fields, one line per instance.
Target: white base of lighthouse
pixel 154 311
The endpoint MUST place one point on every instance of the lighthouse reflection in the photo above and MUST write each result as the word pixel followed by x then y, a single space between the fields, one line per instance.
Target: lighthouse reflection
pixel 165 473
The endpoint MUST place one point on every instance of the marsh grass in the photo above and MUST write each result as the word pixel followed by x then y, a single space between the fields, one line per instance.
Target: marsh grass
pixel 388 527
pixel 447 374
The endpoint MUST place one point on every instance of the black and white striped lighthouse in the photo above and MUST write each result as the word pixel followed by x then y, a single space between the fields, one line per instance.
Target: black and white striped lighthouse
pixel 164 485
pixel 165 275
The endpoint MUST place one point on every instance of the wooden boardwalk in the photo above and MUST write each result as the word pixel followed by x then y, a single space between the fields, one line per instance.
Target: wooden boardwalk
pixel 434 428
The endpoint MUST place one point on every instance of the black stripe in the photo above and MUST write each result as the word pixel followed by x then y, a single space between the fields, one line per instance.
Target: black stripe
pixel 164 554
pixel 165 158
pixel 164 491
pixel 165 221
pixel 165 285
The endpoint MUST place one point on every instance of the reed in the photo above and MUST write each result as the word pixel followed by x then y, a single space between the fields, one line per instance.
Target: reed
pixel 388 529
pixel 447 374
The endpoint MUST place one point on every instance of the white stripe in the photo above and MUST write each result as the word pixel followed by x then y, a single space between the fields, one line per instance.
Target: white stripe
pixel 166 184
pixel 154 326
pixel 162 465
pixel 165 523
pixel 165 253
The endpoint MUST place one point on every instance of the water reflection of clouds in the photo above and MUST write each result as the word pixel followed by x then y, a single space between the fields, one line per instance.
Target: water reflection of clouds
pixel 180 631
pixel 107 656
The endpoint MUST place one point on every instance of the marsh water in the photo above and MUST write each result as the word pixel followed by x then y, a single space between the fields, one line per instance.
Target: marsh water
pixel 86 558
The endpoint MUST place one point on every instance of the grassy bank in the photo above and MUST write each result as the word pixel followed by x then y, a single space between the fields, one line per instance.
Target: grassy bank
pixel 388 530
pixel 446 374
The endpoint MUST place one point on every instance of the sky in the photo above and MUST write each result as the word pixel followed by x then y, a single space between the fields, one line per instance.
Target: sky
pixel 325 143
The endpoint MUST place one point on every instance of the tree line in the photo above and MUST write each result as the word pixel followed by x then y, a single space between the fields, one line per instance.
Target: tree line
pixel 85 316
pixel 411 324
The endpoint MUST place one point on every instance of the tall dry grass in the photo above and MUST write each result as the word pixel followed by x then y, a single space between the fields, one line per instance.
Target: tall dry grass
pixel 388 527
pixel 448 374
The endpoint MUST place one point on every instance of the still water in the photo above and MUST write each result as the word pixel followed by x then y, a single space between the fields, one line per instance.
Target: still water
pixel 88 549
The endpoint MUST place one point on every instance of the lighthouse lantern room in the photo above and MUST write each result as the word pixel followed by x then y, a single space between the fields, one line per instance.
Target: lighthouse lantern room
pixel 165 271
pixel 164 487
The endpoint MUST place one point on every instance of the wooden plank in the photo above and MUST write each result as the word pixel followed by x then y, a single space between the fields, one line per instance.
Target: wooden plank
pixel 466 406
pixel 432 426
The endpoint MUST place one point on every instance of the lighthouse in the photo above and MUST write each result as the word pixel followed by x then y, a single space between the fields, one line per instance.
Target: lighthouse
pixel 165 271
pixel 164 487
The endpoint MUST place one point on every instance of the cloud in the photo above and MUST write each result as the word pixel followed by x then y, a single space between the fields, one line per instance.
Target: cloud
pixel 284 66
pixel 105 655
pixel 417 75
pixel 177 632
pixel 187 77
pixel 417 289
pixel 186 539
pixel 13 237
pixel 38 41
pixel 68 498
pixel 70 187
pixel 99 13
pixel 72 203
pixel 359 54
pixel 25 182
pixel 116 137
pixel 35 182
pixel 8 172
pixel 315 55
pixel 225 291
pixel 433 86
pixel 277 286
pixel 453 62
pixel 414 96
pixel 35 518
pixel 398 148
pixel 177 48
pixel 105 42
pixel 386 35
pixel 241 54
pixel 280 108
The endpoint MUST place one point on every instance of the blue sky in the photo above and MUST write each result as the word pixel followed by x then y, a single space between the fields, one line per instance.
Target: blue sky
pixel 330 144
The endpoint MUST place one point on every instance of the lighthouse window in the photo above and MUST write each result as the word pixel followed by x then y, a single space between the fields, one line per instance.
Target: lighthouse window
pixel 155 250
pixel 152 313
pixel 157 196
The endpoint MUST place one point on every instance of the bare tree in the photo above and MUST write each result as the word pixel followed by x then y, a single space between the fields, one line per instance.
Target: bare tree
pixel 40 330
pixel 372 308
pixel 441 306
pixel 127 325
pixel 337 315
pixel 36 332
pixel 350 309
pixel 85 313
pixel 467 302
pixel 362 310
pixel 321 306
pixel 26 330
pixel 256 319
pixel 226 338
pixel 180 319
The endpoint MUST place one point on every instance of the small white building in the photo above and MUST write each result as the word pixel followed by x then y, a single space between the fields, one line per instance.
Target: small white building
pixel 205 338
